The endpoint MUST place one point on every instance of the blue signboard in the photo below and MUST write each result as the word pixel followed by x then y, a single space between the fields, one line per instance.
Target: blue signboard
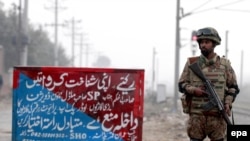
pixel 77 104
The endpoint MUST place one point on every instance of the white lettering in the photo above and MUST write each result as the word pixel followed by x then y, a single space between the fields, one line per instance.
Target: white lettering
pixel 78 135
pixel 238 133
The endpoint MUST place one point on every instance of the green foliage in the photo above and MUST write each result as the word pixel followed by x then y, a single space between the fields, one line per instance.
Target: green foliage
pixel 40 48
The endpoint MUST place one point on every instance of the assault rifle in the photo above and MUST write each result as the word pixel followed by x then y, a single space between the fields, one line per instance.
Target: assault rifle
pixel 214 99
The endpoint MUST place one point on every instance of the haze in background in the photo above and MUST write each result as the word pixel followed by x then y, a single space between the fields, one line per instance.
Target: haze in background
pixel 126 31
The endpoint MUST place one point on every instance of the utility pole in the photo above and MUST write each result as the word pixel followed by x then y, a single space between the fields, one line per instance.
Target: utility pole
pixel 87 55
pixel 23 32
pixel 194 42
pixel 81 50
pixel 73 41
pixel 86 52
pixel 56 34
pixel 177 56
pixel 81 47
pixel 73 34
pixel 153 70
pixel 241 68
pixel 193 47
pixel 19 32
pixel 226 45
pixel 56 58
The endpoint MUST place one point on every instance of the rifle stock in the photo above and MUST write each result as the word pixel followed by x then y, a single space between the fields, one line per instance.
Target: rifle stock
pixel 214 99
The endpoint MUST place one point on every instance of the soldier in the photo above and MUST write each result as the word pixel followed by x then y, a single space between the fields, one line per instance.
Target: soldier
pixel 218 70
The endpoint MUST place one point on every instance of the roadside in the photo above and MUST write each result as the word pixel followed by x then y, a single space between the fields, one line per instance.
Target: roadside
pixel 160 123
pixel 5 118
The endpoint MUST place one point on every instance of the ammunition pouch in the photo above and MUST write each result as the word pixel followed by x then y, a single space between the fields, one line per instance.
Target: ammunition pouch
pixel 186 101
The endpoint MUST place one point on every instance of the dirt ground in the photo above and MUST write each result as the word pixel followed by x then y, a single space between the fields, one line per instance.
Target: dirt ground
pixel 161 123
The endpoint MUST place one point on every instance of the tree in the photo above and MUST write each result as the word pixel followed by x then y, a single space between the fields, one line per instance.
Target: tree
pixel 102 61
pixel 40 48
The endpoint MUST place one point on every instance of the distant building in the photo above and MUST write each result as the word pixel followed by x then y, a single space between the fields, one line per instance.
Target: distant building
pixel 161 93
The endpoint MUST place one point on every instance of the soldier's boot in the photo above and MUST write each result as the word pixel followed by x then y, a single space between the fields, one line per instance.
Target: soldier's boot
pixel 196 139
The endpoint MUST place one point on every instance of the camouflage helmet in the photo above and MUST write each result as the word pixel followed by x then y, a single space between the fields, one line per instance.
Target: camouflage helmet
pixel 208 33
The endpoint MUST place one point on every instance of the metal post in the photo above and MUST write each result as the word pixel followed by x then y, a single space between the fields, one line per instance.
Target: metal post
pixel 241 68
pixel 23 38
pixel 193 48
pixel 177 53
pixel 81 46
pixel 19 33
pixel 226 44
pixel 153 70
pixel 73 41
pixel 56 33
pixel 87 55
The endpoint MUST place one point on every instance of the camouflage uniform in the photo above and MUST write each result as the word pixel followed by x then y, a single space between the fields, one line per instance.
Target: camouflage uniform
pixel 219 71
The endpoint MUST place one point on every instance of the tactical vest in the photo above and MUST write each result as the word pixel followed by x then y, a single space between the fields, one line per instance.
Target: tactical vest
pixel 216 73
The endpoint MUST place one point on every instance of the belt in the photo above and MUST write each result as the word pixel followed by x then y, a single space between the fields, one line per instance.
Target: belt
pixel 216 114
pixel 200 100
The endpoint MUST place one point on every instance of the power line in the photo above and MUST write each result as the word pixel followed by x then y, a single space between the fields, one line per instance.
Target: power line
pixel 212 8
pixel 200 6
pixel 234 10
